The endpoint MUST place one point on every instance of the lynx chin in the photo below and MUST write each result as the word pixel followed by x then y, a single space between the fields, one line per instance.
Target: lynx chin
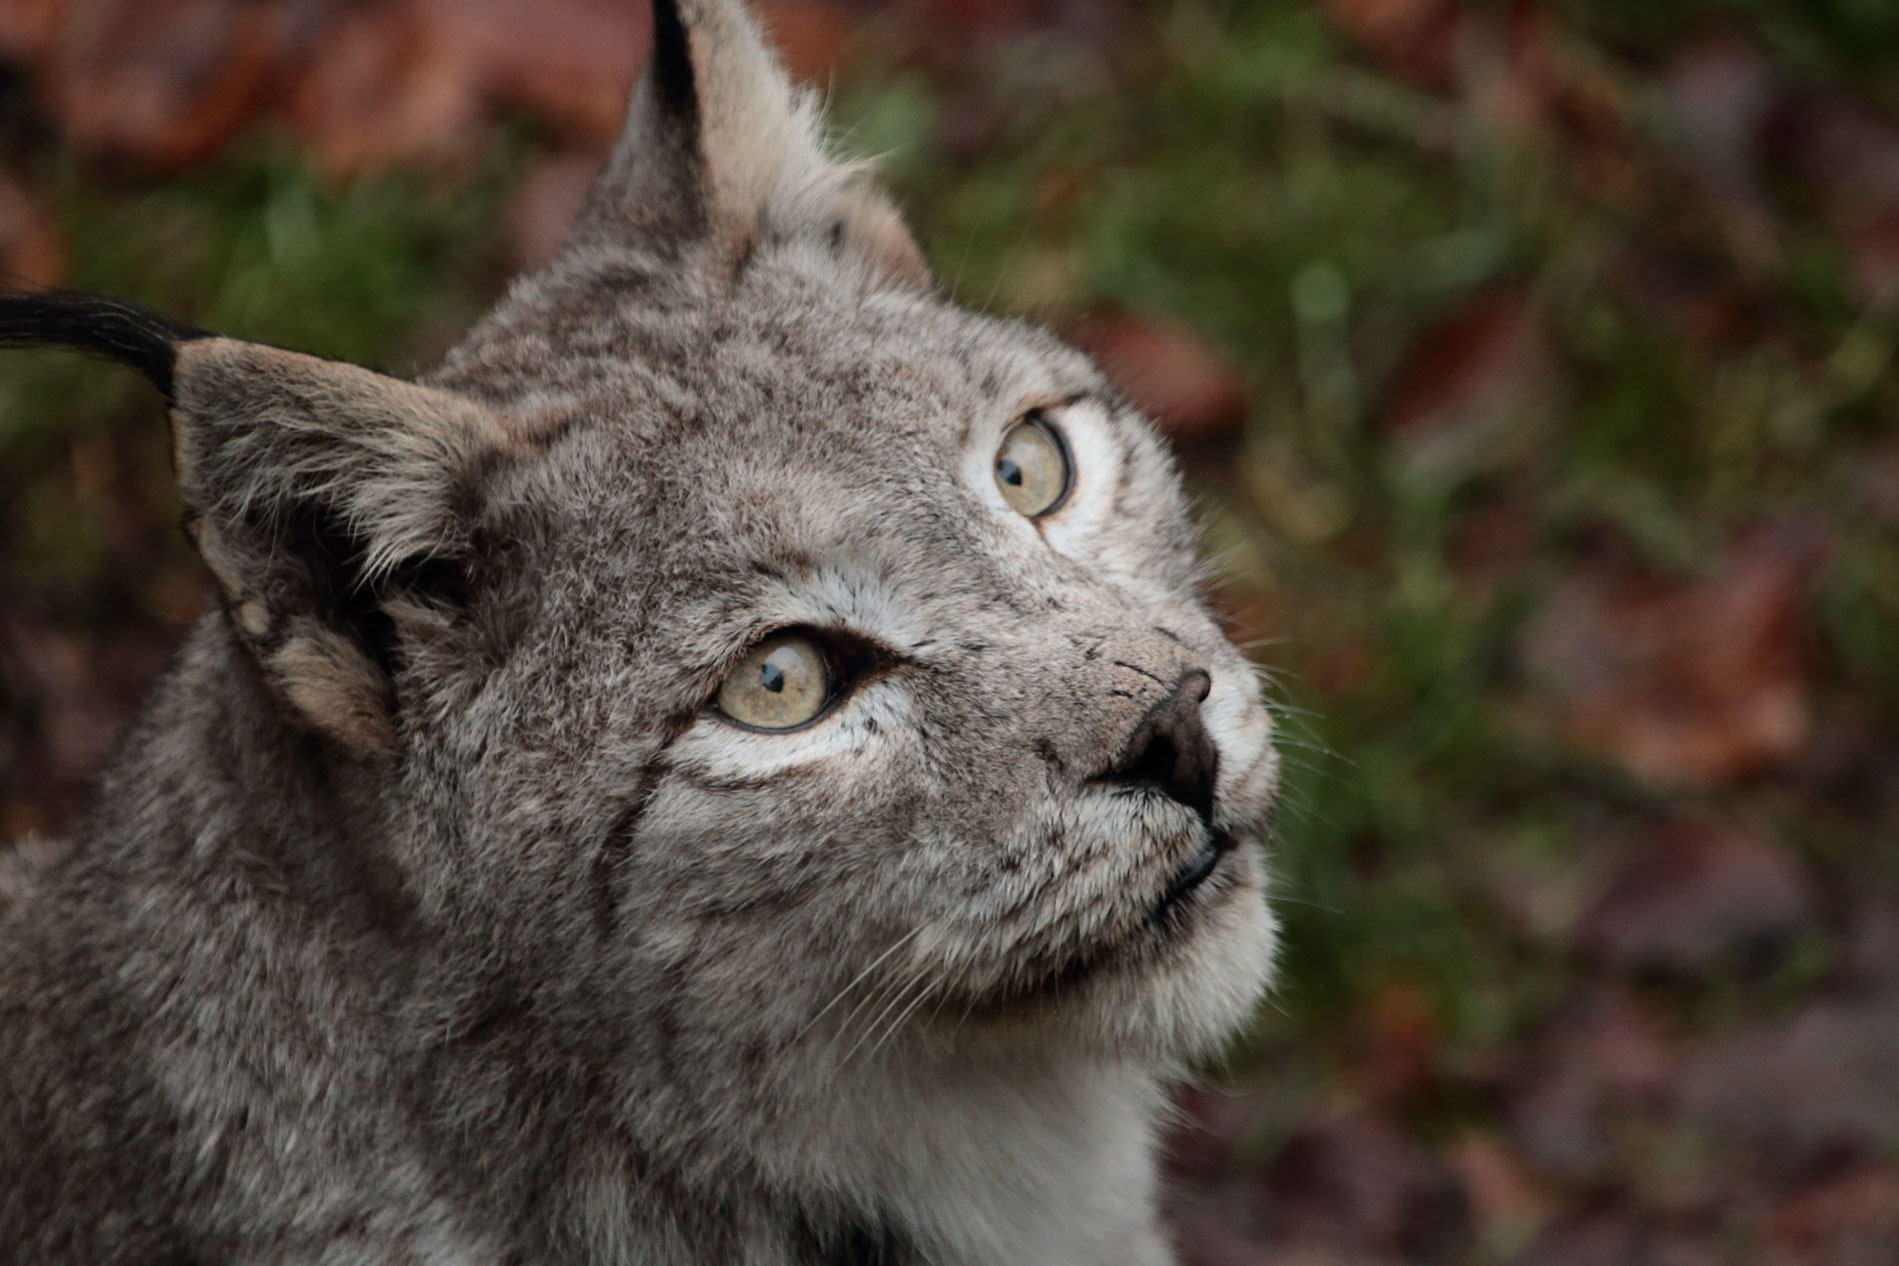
pixel 732 766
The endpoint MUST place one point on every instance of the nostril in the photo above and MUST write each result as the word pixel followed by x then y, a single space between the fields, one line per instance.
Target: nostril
pixel 1158 763
pixel 1171 749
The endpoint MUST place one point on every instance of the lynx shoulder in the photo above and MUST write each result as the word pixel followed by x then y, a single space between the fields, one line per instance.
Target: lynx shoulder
pixel 732 766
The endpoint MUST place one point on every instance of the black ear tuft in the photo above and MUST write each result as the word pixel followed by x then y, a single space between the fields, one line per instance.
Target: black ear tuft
pixel 670 65
pixel 121 331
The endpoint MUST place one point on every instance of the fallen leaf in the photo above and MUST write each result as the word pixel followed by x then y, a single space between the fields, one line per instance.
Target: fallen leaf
pixel 1804 1088
pixel 163 83
pixel 385 89
pixel 1692 896
pixel 1475 392
pixel 1848 1217
pixel 1685 683
pixel 1169 372
pixel 1598 1059
pixel 1846 157
pixel 570 62
pixel 32 251
pixel 1396 1041
pixel 1871 961
pixel 1718 94
pixel 1493 541
pixel 1507 1204
pixel 1600 1237
pixel 1414 38
pixel 28 27
pixel 1349 1181
pixel 1616 1235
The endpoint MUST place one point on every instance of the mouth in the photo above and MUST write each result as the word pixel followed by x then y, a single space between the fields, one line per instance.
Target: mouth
pixel 1193 872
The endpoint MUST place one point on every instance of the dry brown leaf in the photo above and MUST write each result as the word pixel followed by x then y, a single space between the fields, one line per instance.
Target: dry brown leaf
pixel 1847 157
pixel 1618 1235
pixel 1475 391
pixel 163 83
pixel 1493 541
pixel 1718 93
pixel 1819 1084
pixel 570 62
pixel 32 251
pixel 1414 38
pixel 1689 683
pixel 1351 1181
pixel 1396 1036
pixel 28 27
pixel 1169 372
pixel 1694 895
pixel 1842 1218
pixel 1600 1058
pixel 1506 1202
pixel 385 89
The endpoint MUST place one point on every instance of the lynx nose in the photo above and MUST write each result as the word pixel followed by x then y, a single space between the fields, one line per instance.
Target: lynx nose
pixel 1171 748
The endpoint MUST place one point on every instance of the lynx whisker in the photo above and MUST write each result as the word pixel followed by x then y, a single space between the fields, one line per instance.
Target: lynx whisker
pixel 874 964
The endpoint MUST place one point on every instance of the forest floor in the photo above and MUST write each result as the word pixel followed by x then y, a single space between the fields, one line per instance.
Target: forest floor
pixel 1532 365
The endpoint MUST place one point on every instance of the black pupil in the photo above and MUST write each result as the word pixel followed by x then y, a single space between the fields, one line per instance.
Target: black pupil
pixel 771 677
pixel 1009 472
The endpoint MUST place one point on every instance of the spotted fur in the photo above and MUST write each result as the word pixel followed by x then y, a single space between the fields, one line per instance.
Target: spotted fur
pixel 430 912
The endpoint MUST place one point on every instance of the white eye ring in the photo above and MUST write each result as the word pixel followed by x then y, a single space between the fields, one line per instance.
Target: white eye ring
pixel 1033 470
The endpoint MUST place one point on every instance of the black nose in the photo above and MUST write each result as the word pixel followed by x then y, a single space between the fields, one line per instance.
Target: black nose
pixel 1172 750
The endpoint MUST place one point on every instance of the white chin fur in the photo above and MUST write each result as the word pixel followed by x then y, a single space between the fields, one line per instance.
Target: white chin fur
pixel 1186 1007
pixel 1197 1001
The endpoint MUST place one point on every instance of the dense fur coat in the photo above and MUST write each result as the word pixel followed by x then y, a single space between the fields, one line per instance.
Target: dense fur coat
pixel 437 911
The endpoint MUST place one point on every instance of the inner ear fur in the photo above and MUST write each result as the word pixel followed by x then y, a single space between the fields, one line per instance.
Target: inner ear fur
pixel 330 503
pixel 719 148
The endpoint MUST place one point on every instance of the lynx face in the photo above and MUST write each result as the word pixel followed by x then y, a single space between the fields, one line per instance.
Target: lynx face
pixel 796 678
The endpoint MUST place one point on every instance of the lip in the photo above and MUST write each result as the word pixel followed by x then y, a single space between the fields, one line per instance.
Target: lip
pixel 1193 872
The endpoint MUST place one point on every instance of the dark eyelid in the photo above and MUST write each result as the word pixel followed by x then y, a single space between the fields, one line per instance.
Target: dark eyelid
pixel 1039 416
pixel 851 660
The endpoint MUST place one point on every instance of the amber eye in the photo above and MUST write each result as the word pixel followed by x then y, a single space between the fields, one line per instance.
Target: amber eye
pixel 782 683
pixel 1032 467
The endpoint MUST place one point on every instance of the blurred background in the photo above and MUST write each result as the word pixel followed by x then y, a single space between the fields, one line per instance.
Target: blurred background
pixel 1530 363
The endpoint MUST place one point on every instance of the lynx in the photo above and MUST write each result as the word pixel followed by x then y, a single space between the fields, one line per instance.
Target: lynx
pixel 731 766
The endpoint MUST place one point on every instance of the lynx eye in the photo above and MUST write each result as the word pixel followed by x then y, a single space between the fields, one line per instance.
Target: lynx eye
pixel 1032 467
pixel 782 683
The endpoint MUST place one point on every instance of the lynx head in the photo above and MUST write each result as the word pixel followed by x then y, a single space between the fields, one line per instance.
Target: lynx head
pixel 751 651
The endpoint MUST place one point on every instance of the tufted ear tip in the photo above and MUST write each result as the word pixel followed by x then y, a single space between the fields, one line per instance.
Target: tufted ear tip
pixel 719 148
pixel 124 332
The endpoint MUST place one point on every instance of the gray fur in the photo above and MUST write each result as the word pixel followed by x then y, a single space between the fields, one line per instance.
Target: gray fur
pixel 429 913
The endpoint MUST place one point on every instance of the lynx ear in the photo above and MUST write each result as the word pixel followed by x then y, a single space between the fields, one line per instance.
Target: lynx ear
pixel 720 148
pixel 330 502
